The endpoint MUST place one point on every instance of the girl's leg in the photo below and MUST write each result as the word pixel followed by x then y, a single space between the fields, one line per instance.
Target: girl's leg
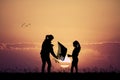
pixel 76 68
pixel 72 66
pixel 76 65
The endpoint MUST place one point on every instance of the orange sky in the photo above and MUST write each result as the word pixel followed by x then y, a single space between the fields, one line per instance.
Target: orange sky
pixel 84 20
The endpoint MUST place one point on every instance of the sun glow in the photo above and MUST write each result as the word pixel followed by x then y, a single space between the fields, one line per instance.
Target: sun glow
pixel 64 66
pixel 65 63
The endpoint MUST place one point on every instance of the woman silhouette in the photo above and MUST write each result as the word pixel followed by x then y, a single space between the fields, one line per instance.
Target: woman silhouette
pixel 74 55
pixel 47 48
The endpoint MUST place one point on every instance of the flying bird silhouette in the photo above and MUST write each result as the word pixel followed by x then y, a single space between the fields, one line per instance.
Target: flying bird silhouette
pixel 25 25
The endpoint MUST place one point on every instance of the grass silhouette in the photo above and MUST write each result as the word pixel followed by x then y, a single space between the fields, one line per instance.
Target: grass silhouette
pixel 64 74
pixel 95 69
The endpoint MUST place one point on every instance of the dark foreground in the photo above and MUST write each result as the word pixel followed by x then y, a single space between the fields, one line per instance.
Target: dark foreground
pixel 59 76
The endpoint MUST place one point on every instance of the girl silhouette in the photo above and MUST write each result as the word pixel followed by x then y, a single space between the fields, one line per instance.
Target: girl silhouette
pixel 74 56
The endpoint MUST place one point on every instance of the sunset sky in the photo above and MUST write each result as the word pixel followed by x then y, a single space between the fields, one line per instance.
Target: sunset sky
pixel 67 20
pixel 88 21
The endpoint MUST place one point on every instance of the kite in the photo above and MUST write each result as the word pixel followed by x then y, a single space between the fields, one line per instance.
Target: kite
pixel 62 50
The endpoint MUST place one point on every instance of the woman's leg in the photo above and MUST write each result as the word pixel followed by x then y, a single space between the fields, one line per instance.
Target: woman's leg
pixel 43 65
pixel 49 65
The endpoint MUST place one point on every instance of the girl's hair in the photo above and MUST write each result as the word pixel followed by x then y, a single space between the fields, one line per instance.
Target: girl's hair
pixel 76 43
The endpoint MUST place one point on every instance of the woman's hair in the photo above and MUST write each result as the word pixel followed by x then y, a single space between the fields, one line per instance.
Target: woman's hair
pixel 49 37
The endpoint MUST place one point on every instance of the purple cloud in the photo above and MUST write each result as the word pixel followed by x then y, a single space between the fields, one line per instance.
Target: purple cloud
pixel 19 45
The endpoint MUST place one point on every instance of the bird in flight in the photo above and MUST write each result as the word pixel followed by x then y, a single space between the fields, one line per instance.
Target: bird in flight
pixel 26 25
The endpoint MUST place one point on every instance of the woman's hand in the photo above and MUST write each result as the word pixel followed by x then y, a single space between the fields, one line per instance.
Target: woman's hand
pixel 69 55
